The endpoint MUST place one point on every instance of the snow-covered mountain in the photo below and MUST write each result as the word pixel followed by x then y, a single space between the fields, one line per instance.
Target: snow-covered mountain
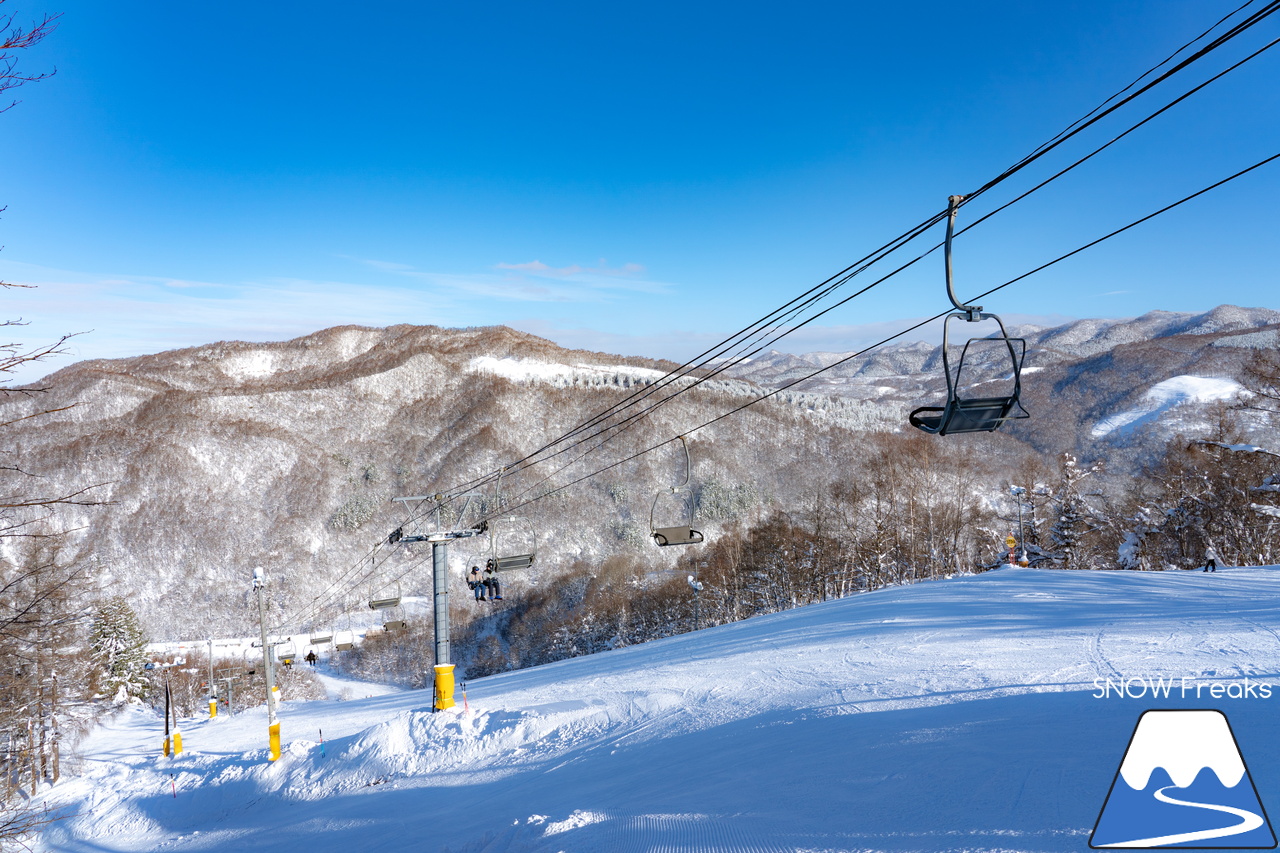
pixel 1129 383
pixel 220 458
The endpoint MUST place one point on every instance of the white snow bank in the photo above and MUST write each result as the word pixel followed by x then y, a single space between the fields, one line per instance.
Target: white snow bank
pixel 532 370
pixel 1167 395
pixel 249 365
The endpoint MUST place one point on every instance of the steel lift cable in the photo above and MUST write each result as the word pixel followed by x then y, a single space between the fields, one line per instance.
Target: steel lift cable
pixel 912 328
pixel 1152 69
pixel 622 426
pixel 840 278
pixel 1271 7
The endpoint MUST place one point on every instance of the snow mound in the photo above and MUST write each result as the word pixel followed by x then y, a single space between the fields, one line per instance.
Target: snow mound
pixel 1165 396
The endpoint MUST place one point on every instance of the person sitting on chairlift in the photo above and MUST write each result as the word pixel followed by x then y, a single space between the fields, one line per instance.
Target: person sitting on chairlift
pixel 491 581
pixel 476 583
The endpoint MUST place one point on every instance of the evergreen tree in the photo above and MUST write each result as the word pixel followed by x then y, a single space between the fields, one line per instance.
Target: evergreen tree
pixel 118 648
pixel 1075 520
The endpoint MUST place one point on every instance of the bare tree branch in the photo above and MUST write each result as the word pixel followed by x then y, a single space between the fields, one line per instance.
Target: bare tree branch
pixel 15 38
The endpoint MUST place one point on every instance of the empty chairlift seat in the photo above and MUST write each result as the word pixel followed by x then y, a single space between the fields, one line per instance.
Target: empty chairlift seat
pixel 683 534
pixel 512 562
pixel 960 413
pixel 984 412
pixel 677 536
pixel 513 543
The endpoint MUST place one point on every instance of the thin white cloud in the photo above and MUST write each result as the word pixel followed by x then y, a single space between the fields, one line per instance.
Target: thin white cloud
pixel 534 281
pixel 132 315
pixel 603 269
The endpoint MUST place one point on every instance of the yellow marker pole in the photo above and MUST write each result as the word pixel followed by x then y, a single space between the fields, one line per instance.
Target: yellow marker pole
pixel 444 686
pixel 166 747
pixel 177 742
pixel 273 738
pixel 213 685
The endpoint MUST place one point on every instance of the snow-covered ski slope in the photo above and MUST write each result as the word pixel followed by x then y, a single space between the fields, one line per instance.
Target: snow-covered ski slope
pixel 952 715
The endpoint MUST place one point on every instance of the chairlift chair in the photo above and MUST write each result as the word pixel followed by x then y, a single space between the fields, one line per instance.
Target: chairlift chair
pixel 505 555
pixel 961 414
pixel 386 601
pixel 344 641
pixel 683 534
pixel 319 638
pixel 382 596
pixel 511 562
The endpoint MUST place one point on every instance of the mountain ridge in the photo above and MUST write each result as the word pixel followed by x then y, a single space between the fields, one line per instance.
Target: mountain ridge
pixel 228 455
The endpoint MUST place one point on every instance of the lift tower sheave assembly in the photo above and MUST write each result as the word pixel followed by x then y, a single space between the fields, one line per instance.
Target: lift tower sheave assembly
pixel 439 538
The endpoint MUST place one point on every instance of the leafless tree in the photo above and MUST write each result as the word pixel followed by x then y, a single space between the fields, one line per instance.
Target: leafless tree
pixel 41 593
pixel 14 38
pixel 1261 377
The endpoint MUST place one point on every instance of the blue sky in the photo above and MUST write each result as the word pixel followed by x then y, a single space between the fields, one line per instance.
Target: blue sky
pixel 636 179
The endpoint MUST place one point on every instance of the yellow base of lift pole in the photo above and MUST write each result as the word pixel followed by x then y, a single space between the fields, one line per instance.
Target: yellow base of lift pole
pixel 273 737
pixel 444 687
pixel 213 708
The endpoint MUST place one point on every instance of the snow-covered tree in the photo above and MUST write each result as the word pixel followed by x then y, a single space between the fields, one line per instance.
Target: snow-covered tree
pixel 118 648
pixel 1075 520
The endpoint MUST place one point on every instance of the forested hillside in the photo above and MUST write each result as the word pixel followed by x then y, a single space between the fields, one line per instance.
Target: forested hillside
pixel 221 458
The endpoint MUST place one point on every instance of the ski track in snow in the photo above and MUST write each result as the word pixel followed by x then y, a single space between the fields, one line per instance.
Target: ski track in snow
pixel 948 715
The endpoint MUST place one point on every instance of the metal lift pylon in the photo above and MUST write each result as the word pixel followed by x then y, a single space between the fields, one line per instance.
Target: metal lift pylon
pixel 439 538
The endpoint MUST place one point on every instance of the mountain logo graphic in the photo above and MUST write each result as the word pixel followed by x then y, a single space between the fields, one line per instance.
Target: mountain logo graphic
pixel 1183 783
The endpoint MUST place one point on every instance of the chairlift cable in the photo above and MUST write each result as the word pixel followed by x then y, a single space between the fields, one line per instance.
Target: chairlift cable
pixel 1151 70
pixel 618 428
pixel 1071 130
pixel 912 328
pixel 821 290
pixel 1235 31
pixel 1119 136
pixel 845 275
pixel 672 376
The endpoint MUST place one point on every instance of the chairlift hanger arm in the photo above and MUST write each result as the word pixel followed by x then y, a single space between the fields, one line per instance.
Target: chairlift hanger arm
pixel 688 466
pixel 973 313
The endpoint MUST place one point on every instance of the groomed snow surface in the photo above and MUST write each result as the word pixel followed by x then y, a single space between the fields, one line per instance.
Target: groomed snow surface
pixel 958 714
pixel 1167 395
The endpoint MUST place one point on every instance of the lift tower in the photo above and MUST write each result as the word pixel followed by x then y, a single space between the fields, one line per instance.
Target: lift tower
pixel 439 538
